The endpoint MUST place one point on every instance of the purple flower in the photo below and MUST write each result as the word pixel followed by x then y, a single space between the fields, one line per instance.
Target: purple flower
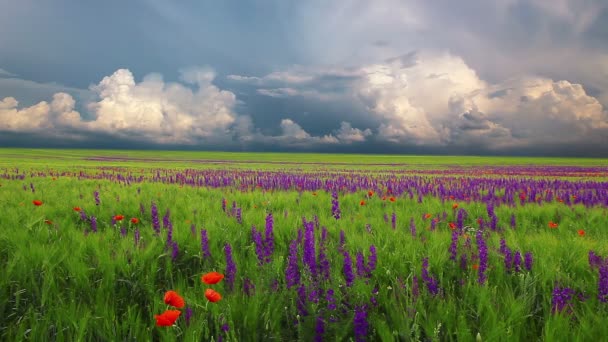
pixel 93 224
pixel 205 244
pixel 482 249
pixel 259 244
pixel 167 219
pixel 319 329
pixel 174 250
pixel 517 261
pixel 430 282
pixel 372 260
pixel 454 246
pixel 269 238
pixel 309 257
pixel 602 284
pixel 230 272
pixel 301 302
pixel 335 205
pixel 508 260
pixel 347 268
pixel 513 222
pixel 360 263
pixel 188 315
pixel 83 215
pixel 248 287
pixel 123 231
pixel 331 301
pixel 322 261
pixel 463 262
pixel 360 323
pixel 292 272
pixel 96 196
pixel 239 215
pixel 394 220
pixel 528 261
pixel 155 220
pixel 561 298
pixel 137 236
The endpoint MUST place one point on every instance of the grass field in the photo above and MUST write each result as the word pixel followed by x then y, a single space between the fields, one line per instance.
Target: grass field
pixel 342 247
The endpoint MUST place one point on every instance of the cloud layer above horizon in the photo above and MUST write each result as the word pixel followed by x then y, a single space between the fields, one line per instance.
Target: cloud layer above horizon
pixel 346 76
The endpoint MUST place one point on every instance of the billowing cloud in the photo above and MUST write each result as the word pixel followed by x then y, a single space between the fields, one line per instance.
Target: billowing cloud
pixel 347 134
pixel 163 112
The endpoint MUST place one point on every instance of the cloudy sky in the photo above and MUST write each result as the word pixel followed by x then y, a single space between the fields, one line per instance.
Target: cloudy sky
pixel 383 76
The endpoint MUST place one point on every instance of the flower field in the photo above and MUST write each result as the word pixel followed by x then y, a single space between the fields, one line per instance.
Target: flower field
pixel 252 247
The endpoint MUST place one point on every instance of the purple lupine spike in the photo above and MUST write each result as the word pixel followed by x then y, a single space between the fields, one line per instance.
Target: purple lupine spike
pixel 93 224
pixel 137 236
pixel 433 224
pixel 205 244
pixel 560 298
pixel 517 261
pixel 482 249
pixel 342 244
pixel 386 217
pixel 269 238
pixel 96 196
pixel 394 220
pixel 330 299
pixel 372 260
pixel 155 220
pixel 360 324
pixel 508 260
pixel 602 284
pixel 415 288
pixel 193 230
pixel 503 246
pixel 347 269
pixel 123 231
pixel 188 315
pixel 301 302
pixel 174 250
pixel 513 221
pixel 83 215
pixel 319 329
pixel 248 287
pixel 230 272
pixel 430 282
pixel 313 295
pixel 309 254
pixel 360 263
pixel 239 215
pixel 113 221
pixel 292 272
pixel 32 187
pixel 167 218
pixel 528 261
pixel 460 217
pixel 454 246
pixel 463 262
pixel 335 205
pixel 595 260
pixel 322 261
pixel 259 245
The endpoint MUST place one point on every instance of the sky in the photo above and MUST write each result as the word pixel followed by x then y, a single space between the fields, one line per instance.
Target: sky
pixel 478 77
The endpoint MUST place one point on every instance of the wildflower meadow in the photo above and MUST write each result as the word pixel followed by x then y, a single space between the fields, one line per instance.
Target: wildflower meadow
pixel 189 246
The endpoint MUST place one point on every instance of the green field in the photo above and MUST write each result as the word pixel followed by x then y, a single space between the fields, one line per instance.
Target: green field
pixel 64 281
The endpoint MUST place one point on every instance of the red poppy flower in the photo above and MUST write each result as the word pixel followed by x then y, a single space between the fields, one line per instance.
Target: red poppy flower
pixel 167 318
pixel 370 193
pixel 212 296
pixel 77 209
pixel 392 199
pixel 173 299
pixel 455 205
pixel 427 216
pixel 362 202
pixel 452 225
pixel 37 202
pixel 581 232
pixel 384 198
pixel 475 267
pixel 212 278
pixel 48 221
pixel 119 217
pixel 552 224
pixel 135 220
